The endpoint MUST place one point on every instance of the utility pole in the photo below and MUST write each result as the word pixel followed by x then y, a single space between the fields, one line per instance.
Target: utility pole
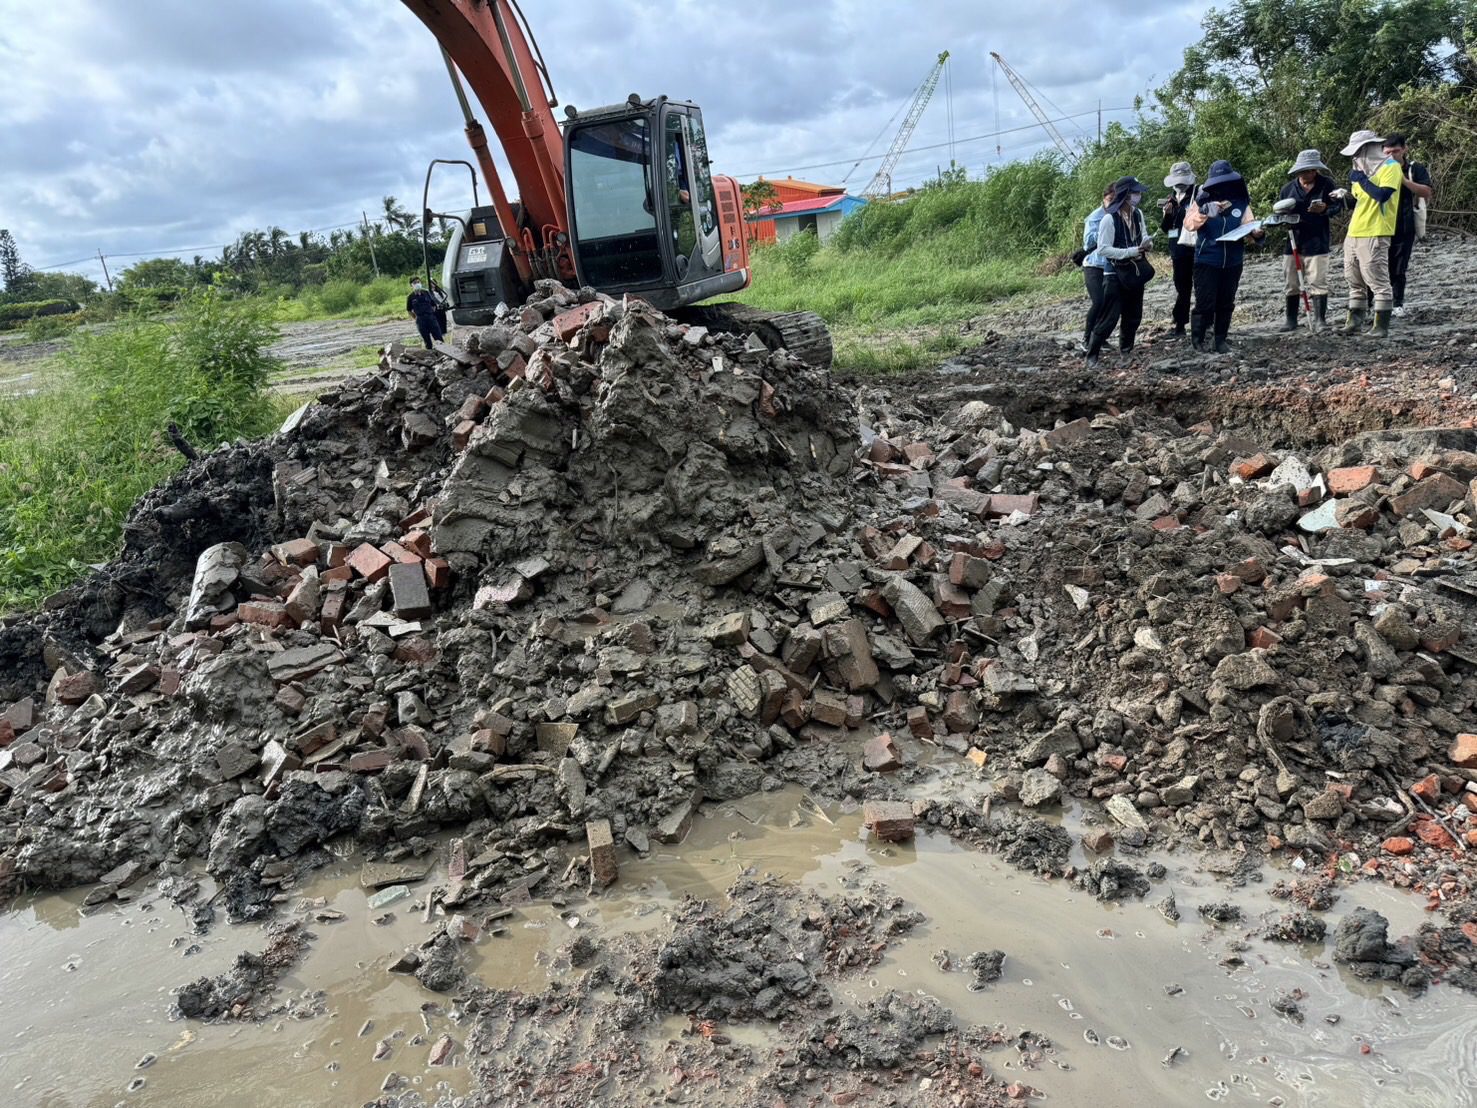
pixel 369 238
pixel 106 278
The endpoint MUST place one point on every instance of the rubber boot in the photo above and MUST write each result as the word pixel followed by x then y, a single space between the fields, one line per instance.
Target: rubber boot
pixel 1178 332
pixel 1355 323
pixel 1197 336
pixel 1221 345
pixel 1320 313
pixel 1291 322
pixel 1381 328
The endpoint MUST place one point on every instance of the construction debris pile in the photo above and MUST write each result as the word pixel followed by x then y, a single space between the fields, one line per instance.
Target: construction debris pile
pixel 556 588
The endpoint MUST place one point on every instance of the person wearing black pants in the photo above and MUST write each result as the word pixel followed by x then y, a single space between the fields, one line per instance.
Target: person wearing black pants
pixel 420 305
pixel 1220 208
pixel 1181 181
pixel 1417 185
pixel 1122 236
pixel 1092 267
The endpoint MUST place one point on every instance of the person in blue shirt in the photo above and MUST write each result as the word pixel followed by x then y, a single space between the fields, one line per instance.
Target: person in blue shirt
pixel 1093 266
pixel 421 306
pixel 1220 207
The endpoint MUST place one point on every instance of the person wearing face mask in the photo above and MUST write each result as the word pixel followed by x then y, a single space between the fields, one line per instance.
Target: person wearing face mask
pixel 1122 239
pixel 421 306
pixel 1181 183
pixel 1092 266
pixel 1416 189
pixel 1374 181
pixel 1220 207
pixel 1315 198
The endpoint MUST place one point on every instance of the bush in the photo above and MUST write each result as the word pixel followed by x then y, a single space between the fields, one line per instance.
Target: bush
pixel 30 309
pixel 338 295
pixel 43 328
pixel 74 458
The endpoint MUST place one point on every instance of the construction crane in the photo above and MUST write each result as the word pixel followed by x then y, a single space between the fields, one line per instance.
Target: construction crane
pixel 881 183
pixel 1017 83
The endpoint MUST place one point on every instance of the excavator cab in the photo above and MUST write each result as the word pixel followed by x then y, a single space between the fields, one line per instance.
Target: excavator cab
pixel 644 207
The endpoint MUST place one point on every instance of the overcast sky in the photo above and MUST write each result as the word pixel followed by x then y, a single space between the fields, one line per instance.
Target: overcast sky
pixel 154 126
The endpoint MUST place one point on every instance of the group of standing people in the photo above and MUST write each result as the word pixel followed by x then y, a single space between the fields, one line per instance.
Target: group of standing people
pixel 1209 225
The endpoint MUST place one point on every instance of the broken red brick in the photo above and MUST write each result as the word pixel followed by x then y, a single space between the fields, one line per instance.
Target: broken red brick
pixel 1004 504
pixel 881 451
pixel 1249 469
pixel 438 572
pixel 370 761
pixel 918 722
pixel 370 562
pixel 889 820
pixel 1227 583
pixel 7 733
pixel 1251 571
pixel 1441 636
pixel 1427 788
pixel 1463 751
pixel 567 324
pixel 1420 470
pixel 968 572
pixel 881 755
pixel 331 617
pixel 337 573
pixel 919 454
pixel 1398 845
pixel 400 555
pixel 461 434
pixel 1351 479
pixel 265 613
pixel 298 552
pixel 1430 832
pixel 473 408
pixel 1263 638
pixel 1437 491
pixel 418 542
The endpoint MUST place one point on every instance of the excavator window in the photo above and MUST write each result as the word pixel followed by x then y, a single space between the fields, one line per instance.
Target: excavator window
pixel 614 220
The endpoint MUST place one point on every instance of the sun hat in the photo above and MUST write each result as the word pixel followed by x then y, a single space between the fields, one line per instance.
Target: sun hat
pixel 1221 173
pixel 1359 140
pixel 1181 173
pixel 1308 159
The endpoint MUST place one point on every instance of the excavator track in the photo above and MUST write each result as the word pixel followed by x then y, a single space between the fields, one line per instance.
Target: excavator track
pixel 803 334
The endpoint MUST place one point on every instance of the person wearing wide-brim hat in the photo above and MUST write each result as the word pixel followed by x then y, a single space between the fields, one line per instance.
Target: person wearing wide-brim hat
pixel 1374 182
pixel 1181 183
pixel 1122 241
pixel 1222 205
pixel 1315 197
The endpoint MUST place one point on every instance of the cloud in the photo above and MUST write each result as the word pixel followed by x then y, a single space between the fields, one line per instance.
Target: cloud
pixel 155 124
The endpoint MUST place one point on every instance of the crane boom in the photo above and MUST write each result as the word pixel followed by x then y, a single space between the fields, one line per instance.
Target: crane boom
pixel 881 183
pixel 1041 117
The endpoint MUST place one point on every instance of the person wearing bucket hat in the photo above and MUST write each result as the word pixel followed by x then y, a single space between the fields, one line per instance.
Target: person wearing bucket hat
pixel 1415 193
pixel 1221 206
pixel 1181 183
pixel 1374 182
pixel 1315 197
pixel 1122 239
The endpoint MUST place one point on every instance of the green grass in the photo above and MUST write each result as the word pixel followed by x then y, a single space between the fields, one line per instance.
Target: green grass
pixel 76 455
pixel 897 280
pixel 344 299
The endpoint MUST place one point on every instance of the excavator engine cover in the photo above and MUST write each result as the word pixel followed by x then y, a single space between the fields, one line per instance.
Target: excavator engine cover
pixel 484 274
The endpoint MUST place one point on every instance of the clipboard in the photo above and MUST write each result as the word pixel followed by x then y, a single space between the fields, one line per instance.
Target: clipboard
pixel 1241 232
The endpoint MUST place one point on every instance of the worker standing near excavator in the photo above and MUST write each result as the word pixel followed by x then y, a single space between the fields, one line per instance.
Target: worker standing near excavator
pixel 421 306
pixel 1315 198
pixel 1374 181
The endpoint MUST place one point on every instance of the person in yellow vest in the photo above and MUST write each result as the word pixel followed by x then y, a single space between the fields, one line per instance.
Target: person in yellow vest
pixel 1374 185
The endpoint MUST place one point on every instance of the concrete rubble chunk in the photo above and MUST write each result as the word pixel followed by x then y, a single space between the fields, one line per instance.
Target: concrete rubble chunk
pixel 673 827
pixel 303 661
pixel 849 653
pixel 1122 809
pixel 1039 788
pixel 216 572
pixel 409 591
pixel 729 630
pixel 603 867
pixel 1245 671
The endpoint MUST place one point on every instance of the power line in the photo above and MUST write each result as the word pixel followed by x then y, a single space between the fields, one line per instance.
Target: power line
pixel 933 146
pixel 162 253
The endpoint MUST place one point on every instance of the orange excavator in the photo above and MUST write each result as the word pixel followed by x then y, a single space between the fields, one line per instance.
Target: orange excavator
pixel 619 198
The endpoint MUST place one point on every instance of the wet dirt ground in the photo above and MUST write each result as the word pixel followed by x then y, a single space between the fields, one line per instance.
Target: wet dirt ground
pixel 1118 990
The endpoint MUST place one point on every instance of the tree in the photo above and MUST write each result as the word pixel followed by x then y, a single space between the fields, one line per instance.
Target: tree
pixel 12 270
pixel 759 196
pixel 156 273
pixel 399 218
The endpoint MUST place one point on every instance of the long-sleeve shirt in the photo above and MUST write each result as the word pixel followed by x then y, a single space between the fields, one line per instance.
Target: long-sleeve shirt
pixel 1089 238
pixel 1172 221
pixel 1377 201
pixel 1311 230
pixel 421 303
pixel 1209 224
pixel 1405 214
pixel 1132 228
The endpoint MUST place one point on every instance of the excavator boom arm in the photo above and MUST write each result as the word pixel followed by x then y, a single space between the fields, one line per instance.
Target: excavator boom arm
pixel 487 41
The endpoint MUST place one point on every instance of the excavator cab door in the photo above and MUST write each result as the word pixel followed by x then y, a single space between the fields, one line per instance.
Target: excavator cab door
pixel 643 210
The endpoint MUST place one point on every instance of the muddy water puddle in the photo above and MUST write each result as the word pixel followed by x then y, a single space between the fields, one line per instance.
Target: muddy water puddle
pixel 1118 989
